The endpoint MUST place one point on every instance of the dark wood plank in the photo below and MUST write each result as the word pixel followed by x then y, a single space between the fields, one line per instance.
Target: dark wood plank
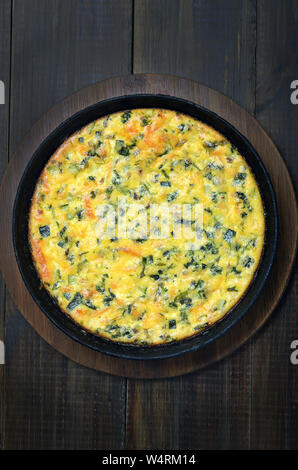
pixel 211 42
pixel 5 30
pixel 60 47
pixel 275 393
pixel 57 48
pixel 52 402
pixel 274 383
pixel 178 37
pixel 5 36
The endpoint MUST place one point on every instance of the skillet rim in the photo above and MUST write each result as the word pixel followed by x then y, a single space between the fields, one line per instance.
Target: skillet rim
pixel 197 340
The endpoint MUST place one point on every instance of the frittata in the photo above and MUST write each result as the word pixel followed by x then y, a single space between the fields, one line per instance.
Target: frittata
pixel 152 285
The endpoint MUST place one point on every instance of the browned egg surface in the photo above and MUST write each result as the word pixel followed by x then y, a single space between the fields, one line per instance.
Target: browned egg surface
pixel 146 290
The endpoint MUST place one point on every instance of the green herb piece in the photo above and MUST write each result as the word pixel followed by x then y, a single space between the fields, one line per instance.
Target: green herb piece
pixel 183 315
pixel 125 116
pixel 109 190
pixel 183 128
pixel 44 231
pixel 89 304
pixel 109 298
pixel 229 235
pixel 76 301
pixel 235 270
pixel 121 148
pixel 117 179
pixel 172 196
pixel 215 269
pixel 145 121
pixel 127 310
pixel 239 179
pixel 244 199
pixel 80 214
pixel 165 173
pixel 210 145
pixel 248 262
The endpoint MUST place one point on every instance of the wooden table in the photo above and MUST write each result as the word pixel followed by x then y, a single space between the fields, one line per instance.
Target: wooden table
pixel 245 49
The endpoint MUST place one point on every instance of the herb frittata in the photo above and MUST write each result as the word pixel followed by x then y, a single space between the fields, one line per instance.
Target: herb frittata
pixel 146 289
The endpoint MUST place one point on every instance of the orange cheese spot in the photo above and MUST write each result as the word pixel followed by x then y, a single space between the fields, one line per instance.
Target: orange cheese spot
pixel 45 184
pixel 41 260
pixel 130 251
pixel 89 208
pixel 132 129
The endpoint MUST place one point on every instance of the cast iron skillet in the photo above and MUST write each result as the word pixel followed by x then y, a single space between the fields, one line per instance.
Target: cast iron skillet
pixel 22 205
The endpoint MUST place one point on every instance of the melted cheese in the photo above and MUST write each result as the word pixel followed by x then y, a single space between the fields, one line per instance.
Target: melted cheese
pixel 146 291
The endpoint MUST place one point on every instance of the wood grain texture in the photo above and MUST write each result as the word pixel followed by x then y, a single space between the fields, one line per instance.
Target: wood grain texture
pixel 248 400
pixel 70 44
pixel 277 67
pixel 187 46
pixel 57 48
pixel 5 39
pixel 149 84
pixel 211 42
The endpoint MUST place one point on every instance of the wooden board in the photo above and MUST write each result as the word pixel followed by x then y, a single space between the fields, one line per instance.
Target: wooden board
pixel 261 310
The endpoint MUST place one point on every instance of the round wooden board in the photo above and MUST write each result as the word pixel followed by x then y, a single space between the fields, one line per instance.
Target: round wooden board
pixel 287 209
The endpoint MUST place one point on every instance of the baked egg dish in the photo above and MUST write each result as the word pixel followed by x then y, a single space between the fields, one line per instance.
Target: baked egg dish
pixel 146 226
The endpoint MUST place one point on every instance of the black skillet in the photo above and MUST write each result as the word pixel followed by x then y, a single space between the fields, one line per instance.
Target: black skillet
pixel 22 205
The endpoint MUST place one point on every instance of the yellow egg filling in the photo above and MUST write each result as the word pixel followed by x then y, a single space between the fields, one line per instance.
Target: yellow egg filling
pixel 149 286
